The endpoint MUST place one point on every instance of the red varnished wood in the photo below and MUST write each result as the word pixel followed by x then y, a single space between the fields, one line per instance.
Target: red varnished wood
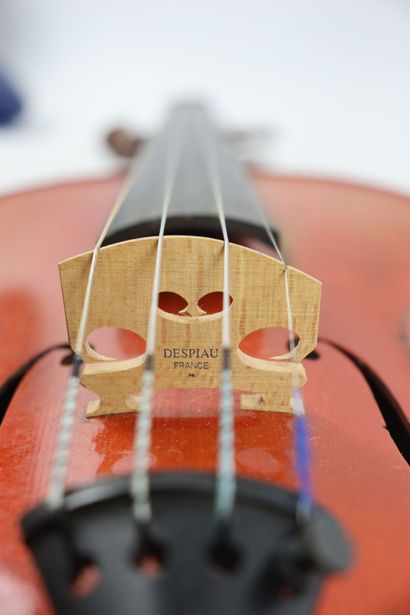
pixel 357 471
pixel 37 230
pixel 356 241
pixel 353 239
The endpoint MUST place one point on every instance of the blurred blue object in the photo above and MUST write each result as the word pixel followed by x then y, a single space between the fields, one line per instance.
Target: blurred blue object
pixel 10 102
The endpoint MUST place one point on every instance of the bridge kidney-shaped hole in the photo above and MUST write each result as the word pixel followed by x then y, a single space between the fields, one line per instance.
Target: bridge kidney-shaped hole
pixel 267 343
pixel 212 303
pixel 115 343
pixel 171 302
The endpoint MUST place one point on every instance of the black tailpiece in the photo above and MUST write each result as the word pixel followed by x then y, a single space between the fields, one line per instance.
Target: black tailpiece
pixel 96 561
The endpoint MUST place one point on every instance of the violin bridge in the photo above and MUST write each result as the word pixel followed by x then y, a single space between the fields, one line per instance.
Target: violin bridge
pixel 279 396
pixel 189 324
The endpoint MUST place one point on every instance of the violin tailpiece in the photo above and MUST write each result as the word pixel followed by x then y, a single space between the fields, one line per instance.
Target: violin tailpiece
pixel 188 339
pixel 95 559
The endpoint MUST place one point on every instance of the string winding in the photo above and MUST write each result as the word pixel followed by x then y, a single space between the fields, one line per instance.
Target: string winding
pixel 225 480
pixel 139 483
pixel 55 493
pixel 302 450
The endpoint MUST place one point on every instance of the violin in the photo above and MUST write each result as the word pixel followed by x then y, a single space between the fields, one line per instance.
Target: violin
pixel 212 416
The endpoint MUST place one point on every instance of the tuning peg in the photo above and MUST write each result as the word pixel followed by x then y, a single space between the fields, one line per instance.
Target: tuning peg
pixel 124 142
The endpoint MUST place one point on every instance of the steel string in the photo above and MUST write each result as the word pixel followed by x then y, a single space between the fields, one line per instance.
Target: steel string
pixel 56 487
pixel 225 480
pixel 301 440
pixel 139 481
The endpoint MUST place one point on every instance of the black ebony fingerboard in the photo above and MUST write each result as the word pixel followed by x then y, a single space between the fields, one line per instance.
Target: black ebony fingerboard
pixel 190 141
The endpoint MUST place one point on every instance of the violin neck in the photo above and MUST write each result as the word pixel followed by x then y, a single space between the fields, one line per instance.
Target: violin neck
pixel 190 153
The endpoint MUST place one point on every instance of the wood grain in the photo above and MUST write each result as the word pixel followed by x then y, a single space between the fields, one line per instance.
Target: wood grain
pixel 355 240
pixel 191 267
pixel 357 472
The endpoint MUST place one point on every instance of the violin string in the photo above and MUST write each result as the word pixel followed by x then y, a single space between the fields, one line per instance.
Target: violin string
pixel 139 481
pixel 302 449
pixel 302 453
pixel 56 487
pixel 226 481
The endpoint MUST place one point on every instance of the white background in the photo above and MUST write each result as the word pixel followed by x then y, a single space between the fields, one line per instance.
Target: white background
pixel 330 78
